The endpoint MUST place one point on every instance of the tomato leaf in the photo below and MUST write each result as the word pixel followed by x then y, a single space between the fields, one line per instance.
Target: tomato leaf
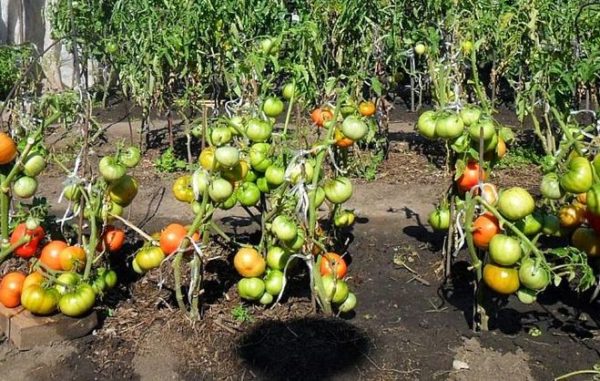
pixel 376 86
pixel 460 168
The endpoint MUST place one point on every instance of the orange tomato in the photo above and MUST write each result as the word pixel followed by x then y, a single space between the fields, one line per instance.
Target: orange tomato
pixel 470 177
pixel 8 149
pixel 34 279
pixel 72 258
pixel 485 227
pixel 249 263
pixel 51 255
pixel 571 215
pixel 342 141
pixel 333 262
pixel 113 239
pixel 366 108
pixel 582 198
pixel 321 115
pixel 171 238
pixel 10 289
pixel 503 280
pixel 9 298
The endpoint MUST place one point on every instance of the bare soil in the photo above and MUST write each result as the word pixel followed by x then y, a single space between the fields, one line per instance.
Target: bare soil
pixel 410 324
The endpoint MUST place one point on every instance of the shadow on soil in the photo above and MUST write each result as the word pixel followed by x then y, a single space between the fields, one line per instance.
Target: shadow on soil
pixel 289 350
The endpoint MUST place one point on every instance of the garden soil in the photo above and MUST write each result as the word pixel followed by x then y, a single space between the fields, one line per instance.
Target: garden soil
pixel 410 323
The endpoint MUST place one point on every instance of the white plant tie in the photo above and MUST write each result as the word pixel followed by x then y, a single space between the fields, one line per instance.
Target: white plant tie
pixel 194 273
pixel 459 243
pixel 331 156
pixel 285 268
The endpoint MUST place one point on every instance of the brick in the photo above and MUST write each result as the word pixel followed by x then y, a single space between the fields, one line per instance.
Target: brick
pixel 28 331
pixel 6 314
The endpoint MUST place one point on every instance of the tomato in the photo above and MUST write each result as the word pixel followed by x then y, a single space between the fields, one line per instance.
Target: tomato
pixel 258 131
pixel 504 250
pixel 109 209
pixel 171 238
pixel 586 240
pixel 220 135
pixel 302 171
pixel 272 107
pixel 338 190
pixel 110 278
pixel 259 159
pixel 296 243
pixel 227 156
pixel 251 288
pixel 469 177
pixel 8 149
pixel 28 249
pixel 123 191
pixel 35 278
pixel 289 91
pixel 470 115
pixel 439 219
pixel 551 225
pixel 182 189
pixel 34 165
pixel 72 192
pixel 489 193
pixel 344 219
pixel 550 186
pixel 77 302
pixel 489 130
pixel 503 280
pixel 249 263
pixel 9 298
pixel 515 203
pixel 571 215
pixel 321 115
pixel 149 257
pixel 578 178
pixel 99 285
pixel 229 203
pixel 449 126
pixel 466 47
pixel 274 282
pixel 420 49
pixel 237 172
pixel 13 281
pixel 341 140
pixel 501 148
pixel 284 228
pixel 336 291
pixel 532 275
pixel 349 304
pixel 66 281
pixel 207 158
pixel 582 198
pixel 366 108
pixel 111 169
pixel 275 175
pixel 237 123
pixel 354 128
pixel 333 262
pixel 269 45
pixel 130 157
pixel 319 195
pixel 266 299
pixel 531 224
pixel 426 124
pixel 593 199
pixel 72 258
pixel 277 258
pixel 220 190
pixel 485 227
pixel 526 296
pixel 39 300
pixel 51 255
pixel 248 194
pixel 263 185
pixel 25 187
pixel 136 268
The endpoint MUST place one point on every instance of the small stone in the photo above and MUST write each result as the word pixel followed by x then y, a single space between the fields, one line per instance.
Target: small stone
pixel 459 365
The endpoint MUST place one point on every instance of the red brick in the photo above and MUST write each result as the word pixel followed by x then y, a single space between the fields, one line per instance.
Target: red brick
pixel 28 331
pixel 6 315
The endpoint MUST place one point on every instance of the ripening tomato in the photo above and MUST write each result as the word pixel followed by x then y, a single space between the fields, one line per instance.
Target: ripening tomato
pixel 51 255
pixel 29 249
pixel 112 239
pixel 321 115
pixel 8 149
pixel 10 289
pixel 171 238
pixel 341 140
pixel 485 227
pixel 249 263
pixel 571 215
pixel 35 278
pixel 366 108
pixel 72 258
pixel 333 262
pixel 470 177
pixel 503 280
pixel 10 298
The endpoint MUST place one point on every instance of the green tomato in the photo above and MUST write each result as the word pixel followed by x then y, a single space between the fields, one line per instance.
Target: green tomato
pixel 284 228
pixel 25 187
pixel 288 91
pixel 439 219
pixel 550 186
pixel 130 157
pixel 426 124
pixel 251 288
pixel 263 185
pixel 335 291
pixel 99 285
pixel 220 136
pixel 338 190
pixel 248 194
pixel 489 130
pixel 470 115
pixel 123 190
pixel 39 300
pixel 349 304
pixel 319 196
pixel 227 156
pixel 344 219
pixel 526 296
pixel 259 156
pixel 111 169
pixel 504 250
pixel 531 224
pixel 220 190
pixel 593 199
pixel 66 281
pixel 136 267
pixel 296 243
pixel 354 128
pixel 275 175
pixel 34 165
pixel 149 257
pixel 78 302
pixel 277 258
pixel 110 278
pixel 265 299
pixel 532 275
pixel 303 172
pixel 515 203
pixel 258 131
pixel 420 49
pixel 230 202
pixel 578 178
pixel 72 192
pixel 551 225
pixel 274 282
pixel 273 107
pixel 449 126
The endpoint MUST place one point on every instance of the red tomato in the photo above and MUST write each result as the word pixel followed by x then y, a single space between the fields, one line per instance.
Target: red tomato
pixel 113 239
pixel 10 289
pixel 321 115
pixel 470 177
pixel 171 238
pixel 29 249
pixel 485 227
pixel 51 254
pixel 331 261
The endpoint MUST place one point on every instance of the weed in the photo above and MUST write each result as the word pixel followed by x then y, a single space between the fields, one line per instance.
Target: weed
pixel 241 313
pixel 168 162
pixel 519 156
